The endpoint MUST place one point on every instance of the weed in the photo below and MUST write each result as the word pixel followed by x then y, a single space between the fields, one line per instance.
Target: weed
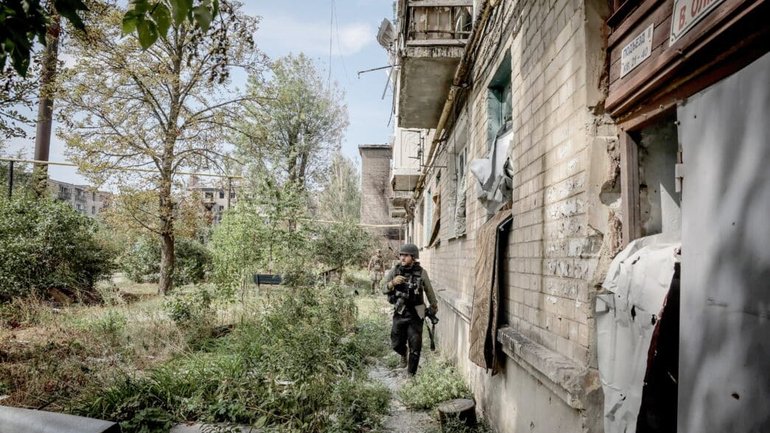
pixel 111 324
pixel 436 381
pixel 359 405
pixel 188 309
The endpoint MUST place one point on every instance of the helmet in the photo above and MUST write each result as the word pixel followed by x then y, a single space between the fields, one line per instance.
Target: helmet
pixel 410 249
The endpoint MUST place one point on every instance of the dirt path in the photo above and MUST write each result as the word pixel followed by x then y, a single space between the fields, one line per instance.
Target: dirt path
pixel 401 419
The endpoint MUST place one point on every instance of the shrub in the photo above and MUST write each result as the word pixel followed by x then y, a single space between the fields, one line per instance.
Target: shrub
pixel 187 309
pixel 436 382
pixel 46 244
pixel 141 263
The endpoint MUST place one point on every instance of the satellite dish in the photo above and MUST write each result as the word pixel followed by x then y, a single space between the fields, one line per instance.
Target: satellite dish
pixel 386 34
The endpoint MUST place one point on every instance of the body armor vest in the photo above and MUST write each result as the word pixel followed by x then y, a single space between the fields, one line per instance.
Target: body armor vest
pixel 413 284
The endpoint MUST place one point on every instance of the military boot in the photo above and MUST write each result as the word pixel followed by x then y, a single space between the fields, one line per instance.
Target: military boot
pixel 403 362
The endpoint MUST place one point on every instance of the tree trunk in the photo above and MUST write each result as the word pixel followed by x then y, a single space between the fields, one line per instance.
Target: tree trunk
pixel 167 253
pixel 45 109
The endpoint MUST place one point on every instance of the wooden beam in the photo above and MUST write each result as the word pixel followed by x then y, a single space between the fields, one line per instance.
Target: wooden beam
pixel 629 188
pixel 439 3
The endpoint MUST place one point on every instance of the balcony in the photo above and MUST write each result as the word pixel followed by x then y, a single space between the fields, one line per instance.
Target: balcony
pixel 431 41
pixel 407 154
pixel 400 199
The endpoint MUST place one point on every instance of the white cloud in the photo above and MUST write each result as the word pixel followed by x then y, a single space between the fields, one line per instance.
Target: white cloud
pixel 283 34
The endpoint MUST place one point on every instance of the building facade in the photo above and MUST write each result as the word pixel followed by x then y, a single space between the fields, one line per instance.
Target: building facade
pixel 214 198
pixel 556 141
pixel 377 212
pixel 83 198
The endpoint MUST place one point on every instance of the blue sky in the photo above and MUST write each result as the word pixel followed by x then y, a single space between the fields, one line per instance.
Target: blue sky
pixel 304 26
pixel 294 26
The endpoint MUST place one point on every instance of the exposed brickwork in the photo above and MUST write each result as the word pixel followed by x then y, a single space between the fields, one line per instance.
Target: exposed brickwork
pixel 553 251
pixel 376 189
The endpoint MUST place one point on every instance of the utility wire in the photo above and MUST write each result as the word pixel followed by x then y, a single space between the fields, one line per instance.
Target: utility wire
pixel 140 170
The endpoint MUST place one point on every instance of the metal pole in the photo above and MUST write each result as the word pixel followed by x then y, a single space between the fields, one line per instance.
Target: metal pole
pixel 10 179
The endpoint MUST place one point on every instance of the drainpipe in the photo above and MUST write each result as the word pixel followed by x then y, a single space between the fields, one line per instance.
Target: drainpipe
pixel 460 78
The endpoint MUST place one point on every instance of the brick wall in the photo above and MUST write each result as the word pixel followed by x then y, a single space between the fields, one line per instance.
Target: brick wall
pixel 553 252
pixel 376 189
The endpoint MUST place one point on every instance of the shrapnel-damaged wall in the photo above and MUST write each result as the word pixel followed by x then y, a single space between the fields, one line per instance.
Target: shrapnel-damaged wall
pixel 564 209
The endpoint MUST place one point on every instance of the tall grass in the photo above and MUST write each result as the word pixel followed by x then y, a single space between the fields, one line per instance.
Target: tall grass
pixel 298 365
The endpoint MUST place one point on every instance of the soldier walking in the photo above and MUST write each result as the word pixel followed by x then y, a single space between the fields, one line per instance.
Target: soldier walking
pixel 376 268
pixel 405 285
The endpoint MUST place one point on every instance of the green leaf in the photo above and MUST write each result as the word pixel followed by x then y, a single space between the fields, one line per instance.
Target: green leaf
pixel 148 33
pixel 180 10
pixel 129 23
pixel 162 18
pixel 69 9
pixel 203 17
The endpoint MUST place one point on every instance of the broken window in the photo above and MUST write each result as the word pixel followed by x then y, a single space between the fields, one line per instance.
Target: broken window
pixel 650 190
pixel 499 104
pixel 461 167
pixel 493 171
pixel 659 202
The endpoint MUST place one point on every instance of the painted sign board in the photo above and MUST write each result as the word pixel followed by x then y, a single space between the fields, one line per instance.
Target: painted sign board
pixel 686 14
pixel 636 51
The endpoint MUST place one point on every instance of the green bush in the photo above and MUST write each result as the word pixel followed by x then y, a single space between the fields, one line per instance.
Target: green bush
pixel 187 309
pixel 141 263
pixel 436 382
pixel 46 244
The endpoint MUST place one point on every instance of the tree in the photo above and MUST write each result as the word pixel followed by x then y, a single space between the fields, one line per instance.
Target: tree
pixel 293 131
pixel 17 95
pixel 260 234
pixel 341 244
pixel 22 22
pixel 165 109
pixel 340 199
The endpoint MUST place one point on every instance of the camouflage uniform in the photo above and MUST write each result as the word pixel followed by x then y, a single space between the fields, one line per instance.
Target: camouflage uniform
pixel 376 268
pixel 408 319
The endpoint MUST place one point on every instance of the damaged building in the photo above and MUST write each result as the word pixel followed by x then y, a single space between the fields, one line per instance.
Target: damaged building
pixel 378 214
pixel 586 181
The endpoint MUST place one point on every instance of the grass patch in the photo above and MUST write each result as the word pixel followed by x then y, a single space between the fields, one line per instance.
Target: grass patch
pixel 292 360
pixel 436 381
pixel 299 365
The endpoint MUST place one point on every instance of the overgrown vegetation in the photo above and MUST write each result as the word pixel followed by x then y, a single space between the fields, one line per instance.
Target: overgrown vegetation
pixel 46 244
pixel 298 364
pixel 141 262
pixel 436 382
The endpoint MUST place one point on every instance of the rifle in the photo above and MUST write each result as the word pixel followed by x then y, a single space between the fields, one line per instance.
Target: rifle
pixel 433 320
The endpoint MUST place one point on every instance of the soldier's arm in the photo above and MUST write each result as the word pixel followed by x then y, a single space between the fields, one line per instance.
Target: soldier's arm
pixel 388 276
pixel 429 289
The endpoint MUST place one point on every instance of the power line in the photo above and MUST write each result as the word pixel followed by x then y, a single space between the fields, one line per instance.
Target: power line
pixel 139 170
